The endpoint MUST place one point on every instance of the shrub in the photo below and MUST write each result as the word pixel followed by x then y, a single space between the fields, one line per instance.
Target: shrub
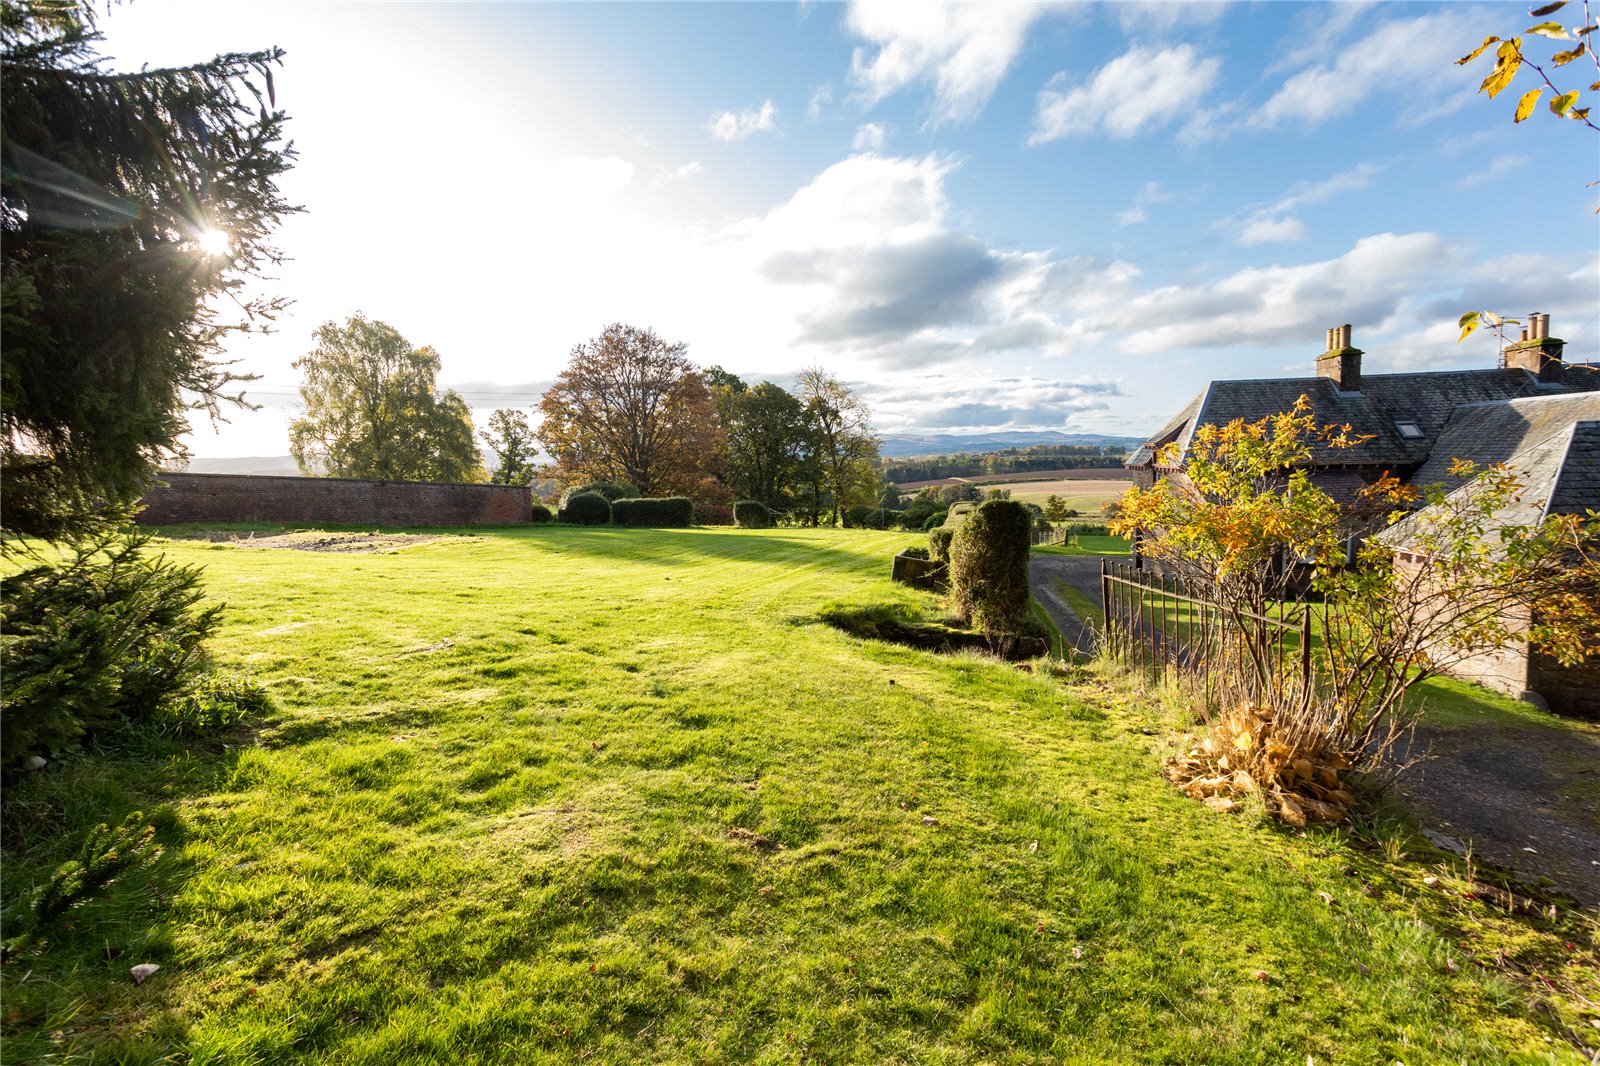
pixel 858 517
pixel 989 568
pixel 935 520
pixel 916 552
pixel 752 514
pixel 611 490
pixel 939 543
pixel 105 636
pixel 673 511
pixel 585 509
pixel 713 514
pixel 540 514
pixel 959 512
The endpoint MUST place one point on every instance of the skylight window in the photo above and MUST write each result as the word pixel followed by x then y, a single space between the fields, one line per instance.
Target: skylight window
pixel 1409 430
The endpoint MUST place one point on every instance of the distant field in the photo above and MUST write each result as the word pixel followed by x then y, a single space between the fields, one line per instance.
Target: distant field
pixel 1076 474
pixel 1081 495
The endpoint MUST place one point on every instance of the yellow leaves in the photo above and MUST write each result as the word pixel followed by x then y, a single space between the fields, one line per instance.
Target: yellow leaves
pixel 1525 108
pixel 1468 323
pixel 1478 51
pixel 1552 30
pixel 1561 59
pixel 1508 60
pixel 1563 103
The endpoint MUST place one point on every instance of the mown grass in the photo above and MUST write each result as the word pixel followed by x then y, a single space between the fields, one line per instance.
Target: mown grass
pixel 1087 544
pixel 599 795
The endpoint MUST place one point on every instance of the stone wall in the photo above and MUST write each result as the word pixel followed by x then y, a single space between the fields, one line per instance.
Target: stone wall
pixel 185 498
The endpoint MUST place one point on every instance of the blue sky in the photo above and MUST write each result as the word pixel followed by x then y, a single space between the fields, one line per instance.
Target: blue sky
pixel 986 216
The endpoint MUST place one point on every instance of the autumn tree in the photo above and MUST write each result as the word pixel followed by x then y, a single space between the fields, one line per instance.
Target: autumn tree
pixel 372 410
pixel 631 407
pixel 845 449
pixel 1512 56
pixel 510 438
pixel 131 203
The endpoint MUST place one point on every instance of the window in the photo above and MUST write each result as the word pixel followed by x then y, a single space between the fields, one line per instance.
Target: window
pixel 1409 430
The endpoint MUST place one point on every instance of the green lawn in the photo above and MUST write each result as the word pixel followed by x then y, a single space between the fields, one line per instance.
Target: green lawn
pixel 593 795
pixel 1087 544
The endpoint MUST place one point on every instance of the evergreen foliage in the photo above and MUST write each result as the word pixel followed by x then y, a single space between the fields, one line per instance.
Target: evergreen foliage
pixel 105 855
pixel 540 514
pixel 989 568
pixel 585 509
pixel 752 514
pixel 372 410
pixel 939 542
pixel 611 490
pixel 675 512
pixel 103 635
pixel 110 322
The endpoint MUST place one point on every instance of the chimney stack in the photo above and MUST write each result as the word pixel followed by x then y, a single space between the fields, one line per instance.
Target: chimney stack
pixel 1537 352
pixel 1341 363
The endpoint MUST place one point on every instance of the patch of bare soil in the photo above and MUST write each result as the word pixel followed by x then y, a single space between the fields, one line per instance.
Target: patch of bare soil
pixel 316 540
pixel 1524 799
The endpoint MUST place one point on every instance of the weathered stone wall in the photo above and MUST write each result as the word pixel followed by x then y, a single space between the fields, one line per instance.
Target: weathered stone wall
pixel 184 498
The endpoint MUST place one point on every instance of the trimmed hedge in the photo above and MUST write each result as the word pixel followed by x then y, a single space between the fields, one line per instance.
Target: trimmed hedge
pixel 939 543
pixel 713 514
pixel 541 514
pixel 753 514
pixel 935 520
pixel 989 568
pixel 858 516
pixel 585 509
pixel 676 512
pixel 611 490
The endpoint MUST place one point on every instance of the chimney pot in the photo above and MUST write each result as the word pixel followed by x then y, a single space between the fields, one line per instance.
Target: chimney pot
pixel 1341 363
pixel 1538 353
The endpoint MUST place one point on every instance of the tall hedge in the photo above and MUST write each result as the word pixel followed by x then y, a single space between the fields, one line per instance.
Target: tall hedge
pixel 752 514
pixel 585 509
pixel 611 490
pixel 989 568
pixel 673 511
pixel 939 543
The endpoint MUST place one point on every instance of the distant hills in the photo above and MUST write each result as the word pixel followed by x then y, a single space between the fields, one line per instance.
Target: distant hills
pixel 249 464
pixel 905 445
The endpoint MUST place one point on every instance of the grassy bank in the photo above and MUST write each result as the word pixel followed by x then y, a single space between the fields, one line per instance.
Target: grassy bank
pixel 612 796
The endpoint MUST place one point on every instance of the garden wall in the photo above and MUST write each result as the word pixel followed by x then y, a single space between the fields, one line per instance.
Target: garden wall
pixel 184 498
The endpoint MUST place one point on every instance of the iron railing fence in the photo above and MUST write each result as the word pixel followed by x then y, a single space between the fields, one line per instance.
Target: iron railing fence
pixel 1153 623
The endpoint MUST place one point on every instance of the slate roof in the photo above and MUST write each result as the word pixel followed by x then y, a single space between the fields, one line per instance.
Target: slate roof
pixel 1495 432
pixel 1561 470
pixel 1428 399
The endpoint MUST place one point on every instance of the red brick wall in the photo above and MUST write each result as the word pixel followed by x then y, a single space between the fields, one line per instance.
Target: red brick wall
pixel 182 498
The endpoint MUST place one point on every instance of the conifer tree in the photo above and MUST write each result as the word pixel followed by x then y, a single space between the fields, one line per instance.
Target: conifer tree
pixel 131 201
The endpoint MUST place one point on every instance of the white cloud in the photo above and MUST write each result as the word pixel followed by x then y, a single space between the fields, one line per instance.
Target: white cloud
pixel 1142 18
pixel 870 137
pixel 959 403
pixel 731 126
pixel 1149 193
pixel 963 50
pixel 1498 167
pixel 688 170
pixel 1140 89
pixel 1272 230
pixel 1409 60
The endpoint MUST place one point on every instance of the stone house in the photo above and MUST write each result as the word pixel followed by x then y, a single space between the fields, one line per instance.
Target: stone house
pixel 1535 411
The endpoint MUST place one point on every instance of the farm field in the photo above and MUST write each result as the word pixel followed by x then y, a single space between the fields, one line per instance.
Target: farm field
pixel 1070 474
pixel 599 795
pixel 1081 494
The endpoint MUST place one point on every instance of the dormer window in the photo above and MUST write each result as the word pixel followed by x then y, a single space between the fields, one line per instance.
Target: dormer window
pixel 1409 430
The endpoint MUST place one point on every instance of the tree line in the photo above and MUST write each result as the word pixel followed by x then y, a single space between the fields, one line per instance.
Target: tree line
pixel 629 408
pixel 1003 461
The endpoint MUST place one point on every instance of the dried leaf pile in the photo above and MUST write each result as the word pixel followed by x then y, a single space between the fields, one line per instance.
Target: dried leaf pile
pixel 1247 752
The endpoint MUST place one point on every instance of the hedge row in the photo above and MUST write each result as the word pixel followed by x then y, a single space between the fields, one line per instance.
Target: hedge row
pixel 672 511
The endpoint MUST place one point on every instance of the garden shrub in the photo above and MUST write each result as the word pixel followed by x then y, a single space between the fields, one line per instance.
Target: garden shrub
pixel 989 568
pixel 103 636
pixel 858 516
pixel 752 514
pixel 935 520
pixel 916 552
pixel 673 511
pixel 540 514
pixel 713 514
pixel 959 512
pixel 585 509
pixel 611 490
pixel 939 543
